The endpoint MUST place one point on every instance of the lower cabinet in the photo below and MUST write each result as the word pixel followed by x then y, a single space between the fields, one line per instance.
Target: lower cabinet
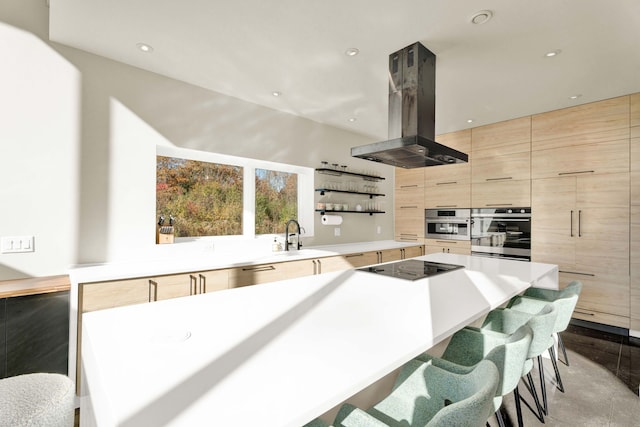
pixel 34 334
pixel 460 247
pixel 264 273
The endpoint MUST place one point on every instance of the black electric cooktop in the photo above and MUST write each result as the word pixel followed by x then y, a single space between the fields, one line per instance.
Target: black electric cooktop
pixel 411 269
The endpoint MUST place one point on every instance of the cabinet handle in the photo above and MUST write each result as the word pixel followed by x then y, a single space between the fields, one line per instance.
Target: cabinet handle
pixel 448 250
pixel 571 225
pixel 447 241
pixel 499 204
pixel 446 206
pixel 499 179
pixel 573 173
pixel 410 239
pixel 315 271
pixel 446 183
pixel 203 284
pixel 353 255
pixel 584 312
pixel 319 267
pixel 153 290
pixel 409 207
pixel 577 272
pixel 409 186
pixel 408 235
pixel 579 222
pixel 259 268
pixel 193 285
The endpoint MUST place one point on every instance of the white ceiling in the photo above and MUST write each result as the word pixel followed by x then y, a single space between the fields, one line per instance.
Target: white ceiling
pixel 488 73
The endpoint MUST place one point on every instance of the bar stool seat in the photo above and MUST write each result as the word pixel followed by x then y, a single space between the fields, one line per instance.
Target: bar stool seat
pixel 37 400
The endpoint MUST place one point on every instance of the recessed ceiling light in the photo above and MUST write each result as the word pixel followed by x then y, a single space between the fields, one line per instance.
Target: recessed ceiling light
pixel 144 47
pixel 352 51
pixel 576 96
pixel 481 17
pixel 276 93
pixel 352 119
pixel 469 120
pixel 552 53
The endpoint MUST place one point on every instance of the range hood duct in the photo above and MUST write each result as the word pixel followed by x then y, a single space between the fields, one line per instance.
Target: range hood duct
pixel 412 107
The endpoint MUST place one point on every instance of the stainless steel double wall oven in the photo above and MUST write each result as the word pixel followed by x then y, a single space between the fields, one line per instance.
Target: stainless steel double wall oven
pixel 502 232
pixel 448 224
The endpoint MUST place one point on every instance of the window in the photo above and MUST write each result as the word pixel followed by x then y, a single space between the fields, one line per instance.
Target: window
pixel 214 195
pixel 276 200
pixel 205 198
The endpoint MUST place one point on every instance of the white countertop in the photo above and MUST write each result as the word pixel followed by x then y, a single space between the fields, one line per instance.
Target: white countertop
pixel 212 260
pixel 281 353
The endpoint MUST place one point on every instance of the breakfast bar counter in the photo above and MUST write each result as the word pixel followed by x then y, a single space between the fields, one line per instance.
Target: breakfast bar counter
pixel 280 353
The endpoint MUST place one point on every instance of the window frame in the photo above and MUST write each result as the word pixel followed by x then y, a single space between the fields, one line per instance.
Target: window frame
pixel 305 189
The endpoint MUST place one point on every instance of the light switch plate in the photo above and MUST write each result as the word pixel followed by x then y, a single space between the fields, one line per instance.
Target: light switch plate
pixel 336 231
pixel 16 244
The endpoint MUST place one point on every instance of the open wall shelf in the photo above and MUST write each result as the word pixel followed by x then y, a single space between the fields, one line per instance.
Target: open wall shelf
pixel 338 172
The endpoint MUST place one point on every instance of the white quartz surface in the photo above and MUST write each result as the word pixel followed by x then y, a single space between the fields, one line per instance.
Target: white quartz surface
pixel 212 260
pixel 282 353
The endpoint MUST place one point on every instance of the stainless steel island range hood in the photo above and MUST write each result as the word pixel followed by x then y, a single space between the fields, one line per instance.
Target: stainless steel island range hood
pixel 412 106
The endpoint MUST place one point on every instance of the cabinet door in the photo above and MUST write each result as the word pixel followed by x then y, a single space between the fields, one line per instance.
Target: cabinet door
pixel 213 281
pixel 460 140
pixel 508 137
pixel 264 273
pixel 501 193
pixel 361 259
pixel 409 213
pixel 448 186
pixel 389 255
pixel 413 251
pixel 597 121
pixel 602 158
pixel 409 178
pixel 116 293
pixel 635 268
pixel 332 263
pixel 173 286
pixel 509 167
pixel 553 214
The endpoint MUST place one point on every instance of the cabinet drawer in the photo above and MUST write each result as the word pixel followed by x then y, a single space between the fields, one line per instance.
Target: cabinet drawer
pixel 510 167
pixel 602 293
pixel 508 137
pixel 332 263
pixel 408 237
pixel 501 193
pixel 174 286
pixel 413 251
pixel 604 318
pixel 606 157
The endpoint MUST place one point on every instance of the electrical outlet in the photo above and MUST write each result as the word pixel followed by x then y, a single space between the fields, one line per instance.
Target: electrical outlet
pixel 15 244
pixel 336 231
pixel 379 230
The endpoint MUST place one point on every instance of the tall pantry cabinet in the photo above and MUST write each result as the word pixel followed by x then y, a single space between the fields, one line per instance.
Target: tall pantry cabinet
pixel 635 212
pixel 580 203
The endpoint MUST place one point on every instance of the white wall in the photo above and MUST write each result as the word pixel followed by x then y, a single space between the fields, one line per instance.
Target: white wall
pixel 78 138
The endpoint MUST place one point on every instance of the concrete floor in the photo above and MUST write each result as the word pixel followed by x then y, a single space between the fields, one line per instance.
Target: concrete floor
pixel 601 383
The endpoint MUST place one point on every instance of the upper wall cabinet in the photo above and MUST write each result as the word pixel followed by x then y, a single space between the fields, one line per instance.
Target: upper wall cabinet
pixel 595 122
pixel 449 186
pixel 460 140
pixel 508 137
pixel 407 179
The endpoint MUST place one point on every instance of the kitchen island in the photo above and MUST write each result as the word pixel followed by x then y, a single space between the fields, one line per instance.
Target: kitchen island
pixel 281 353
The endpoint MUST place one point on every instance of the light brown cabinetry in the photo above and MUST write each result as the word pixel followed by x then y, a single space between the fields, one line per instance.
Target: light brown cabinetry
pixel 581 223
pixel 409 204
pixel 264 273
pixel 501 164
pixel 360 259
pixel 449 186
pixel 460 247
pixel 634 300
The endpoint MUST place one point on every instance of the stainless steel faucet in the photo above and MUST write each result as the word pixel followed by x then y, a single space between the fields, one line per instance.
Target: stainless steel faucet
pixel 287 235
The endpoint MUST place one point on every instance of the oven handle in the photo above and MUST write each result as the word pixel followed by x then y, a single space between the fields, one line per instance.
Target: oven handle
pixel 447 221
pixel 486 255
pixel 499 218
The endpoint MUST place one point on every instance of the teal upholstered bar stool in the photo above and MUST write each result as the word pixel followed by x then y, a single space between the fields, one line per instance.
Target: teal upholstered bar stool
pixel 565 301
pixel 427 396
pixel 469 346
pixel 541 323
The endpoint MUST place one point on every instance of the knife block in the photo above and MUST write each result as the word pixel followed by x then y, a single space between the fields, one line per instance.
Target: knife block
pixel 164 234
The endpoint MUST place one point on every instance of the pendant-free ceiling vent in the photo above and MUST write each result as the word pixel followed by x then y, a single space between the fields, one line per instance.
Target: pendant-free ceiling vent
pixel 412 105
